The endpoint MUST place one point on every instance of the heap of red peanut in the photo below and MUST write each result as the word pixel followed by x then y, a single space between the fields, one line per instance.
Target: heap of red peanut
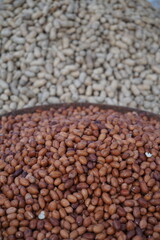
pixel 79 173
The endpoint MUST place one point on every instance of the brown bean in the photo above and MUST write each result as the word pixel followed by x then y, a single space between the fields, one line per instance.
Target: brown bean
pixel 87 221
pixel 114 182
pixel 144 187
pixel 24 182
pixel 103 171
pixel 54 221
pixel 53 237
pixel 82 186
pixel 112 209
pixel 11 230
pixel 55 174
pixel 33 224
pixel 64 233
pixel 40 236
pixel 143 224
pixel 99 215
pixel 52 205
pixel 126 173
pixel 130 226
pixel 48 180
pixel 11 216
pixel 68 183
pixel 136 212
pixel 98 228
pixel 143 202
pixel 137 238
pixel 74 234
pixel 106 198
pixel 101 236
pixel 33 189
pixel 11 210
pixel 110 231
pixel 81 145
pixel 28 215
pixel 72 198
pixel 65 203
pixel 89 236
pixel 117 225
pixel 122 236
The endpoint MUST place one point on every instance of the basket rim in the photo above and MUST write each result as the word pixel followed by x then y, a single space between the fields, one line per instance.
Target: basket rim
pixel 121 109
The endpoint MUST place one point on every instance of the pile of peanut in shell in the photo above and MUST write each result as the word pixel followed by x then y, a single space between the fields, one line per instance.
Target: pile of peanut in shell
pixel 80 173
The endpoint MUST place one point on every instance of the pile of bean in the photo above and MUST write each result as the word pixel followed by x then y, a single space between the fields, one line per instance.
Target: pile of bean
pixel 79 173
pixel 97 51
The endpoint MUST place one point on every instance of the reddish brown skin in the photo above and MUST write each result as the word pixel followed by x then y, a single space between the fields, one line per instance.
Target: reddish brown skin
pixel 86 168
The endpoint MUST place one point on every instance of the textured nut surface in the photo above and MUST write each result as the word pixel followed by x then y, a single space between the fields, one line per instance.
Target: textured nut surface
pixel 85 51
pixel 79 173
